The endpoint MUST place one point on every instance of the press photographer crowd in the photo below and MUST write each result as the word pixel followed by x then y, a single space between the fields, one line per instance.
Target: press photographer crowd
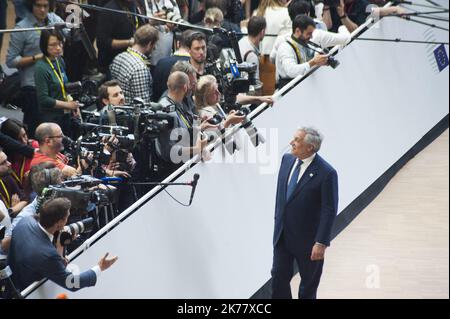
pixel 117 94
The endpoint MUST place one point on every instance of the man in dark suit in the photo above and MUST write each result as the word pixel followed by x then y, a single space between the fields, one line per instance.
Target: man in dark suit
pixel 33 257
pixel 306 205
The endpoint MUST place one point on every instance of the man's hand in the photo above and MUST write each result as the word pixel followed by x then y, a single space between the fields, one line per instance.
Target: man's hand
pixel 318 252
pixel 320 59
pixel 233 119
pixel 73 105
pixel 340 9
pixel 207 126
pixel 15 199
pixel 121 174
pixel 266 99
pixel 106 263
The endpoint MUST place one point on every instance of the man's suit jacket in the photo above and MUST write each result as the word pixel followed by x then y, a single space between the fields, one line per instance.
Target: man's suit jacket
pixel 32 257
pixel 308 215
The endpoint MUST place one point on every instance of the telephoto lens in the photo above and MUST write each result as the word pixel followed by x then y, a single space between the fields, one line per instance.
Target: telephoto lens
pixel 69 233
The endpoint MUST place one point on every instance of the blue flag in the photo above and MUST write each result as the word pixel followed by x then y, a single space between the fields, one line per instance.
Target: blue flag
pixel 441 57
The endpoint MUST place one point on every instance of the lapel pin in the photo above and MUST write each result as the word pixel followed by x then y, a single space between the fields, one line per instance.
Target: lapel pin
pixel 311 174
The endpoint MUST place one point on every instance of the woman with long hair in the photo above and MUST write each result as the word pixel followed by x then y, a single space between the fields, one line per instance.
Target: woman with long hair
pixel 20 165
pixel 278 21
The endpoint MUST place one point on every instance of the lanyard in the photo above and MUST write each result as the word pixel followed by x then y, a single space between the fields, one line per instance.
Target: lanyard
pixel 297 50
pixel 59 76
pixel 180 113
pixel 6 199
pixel 136 22
pixel 21 173
pixel 183 118
pixel 135 54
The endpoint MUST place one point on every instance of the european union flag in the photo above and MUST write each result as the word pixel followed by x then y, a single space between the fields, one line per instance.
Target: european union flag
pixel 441 57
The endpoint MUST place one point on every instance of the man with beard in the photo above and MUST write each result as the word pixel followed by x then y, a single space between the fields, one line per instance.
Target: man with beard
pixel 10 193
pixel 50 136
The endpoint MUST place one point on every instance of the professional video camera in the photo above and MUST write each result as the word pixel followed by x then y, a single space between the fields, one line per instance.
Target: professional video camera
pixel 70 232
pixel 233 78
pixel 85 93
pixel 89 150
pixel 7 288
pixel 82 193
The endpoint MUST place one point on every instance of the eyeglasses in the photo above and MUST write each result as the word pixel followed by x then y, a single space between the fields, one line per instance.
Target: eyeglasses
pixel 57 136
pixel 56 44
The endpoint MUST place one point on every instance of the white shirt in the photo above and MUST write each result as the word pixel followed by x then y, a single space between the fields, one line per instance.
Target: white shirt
pixel 5 220
pixel 278 21
pixel 284 56
pixel 246 46
pixel 303 167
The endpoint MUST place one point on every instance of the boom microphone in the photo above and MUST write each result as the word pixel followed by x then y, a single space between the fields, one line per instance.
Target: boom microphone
pixel 194 185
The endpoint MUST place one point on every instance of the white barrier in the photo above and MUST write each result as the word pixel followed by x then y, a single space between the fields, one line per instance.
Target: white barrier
pixel 372 109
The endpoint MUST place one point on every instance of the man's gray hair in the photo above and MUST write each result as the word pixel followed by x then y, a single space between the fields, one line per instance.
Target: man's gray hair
pixel 312 137
pixel 183 66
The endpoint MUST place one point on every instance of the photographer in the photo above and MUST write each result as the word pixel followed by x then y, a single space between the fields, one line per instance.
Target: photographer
pixel 178 145
pixel 207 97
pixel 41 176
pixel 249 45
pixel 197 50
pixel 50 136
pixel 20 164
pixel 33 257
pixel 10 192
pixel 293 57
pixel 110 94
pixel 131 69
pixel 54 103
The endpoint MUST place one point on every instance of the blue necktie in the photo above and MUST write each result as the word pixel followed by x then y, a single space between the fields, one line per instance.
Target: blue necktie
pixel 293 182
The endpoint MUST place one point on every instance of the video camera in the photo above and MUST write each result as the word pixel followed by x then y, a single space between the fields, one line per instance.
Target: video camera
pixel 79 190
pixel 85 93
pixel 232 78
pixel 7 288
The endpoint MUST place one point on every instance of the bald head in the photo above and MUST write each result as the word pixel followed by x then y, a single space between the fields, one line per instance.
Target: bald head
pixel 45 130
pixel 178 81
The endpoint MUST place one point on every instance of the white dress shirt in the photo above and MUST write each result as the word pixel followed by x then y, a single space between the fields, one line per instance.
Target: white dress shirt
pixel 303 167
pixel 285 58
